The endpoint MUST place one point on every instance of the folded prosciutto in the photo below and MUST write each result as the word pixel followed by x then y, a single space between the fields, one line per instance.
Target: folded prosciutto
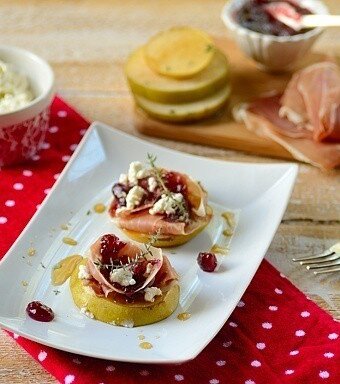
pixel 305 119
pixel 128 269
pixel 149 200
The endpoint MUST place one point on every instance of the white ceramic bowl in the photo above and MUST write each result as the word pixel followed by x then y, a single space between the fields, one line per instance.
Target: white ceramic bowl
pixel 273 53
pixel 22 131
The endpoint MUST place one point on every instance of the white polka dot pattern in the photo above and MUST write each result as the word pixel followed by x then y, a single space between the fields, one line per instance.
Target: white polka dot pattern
pixel 255 363
pixel 324 374
pixel 69 379
pixel 18 186
pixel 3 220
pixel 267 325
pixel 300 333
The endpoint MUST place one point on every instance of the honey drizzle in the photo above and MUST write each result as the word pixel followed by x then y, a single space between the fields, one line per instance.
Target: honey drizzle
pixel 31 251
pixel 64 269
pixel 218 249
pixel 99 208
pixel 69 241
pixel 145 345
pixel 183 316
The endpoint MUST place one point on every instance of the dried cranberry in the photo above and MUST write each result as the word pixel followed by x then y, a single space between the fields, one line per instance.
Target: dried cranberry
pixel 120 191
pixel 39 312
pixel 174 182
pixel 207 261
pixel 143 183
pixel 110 245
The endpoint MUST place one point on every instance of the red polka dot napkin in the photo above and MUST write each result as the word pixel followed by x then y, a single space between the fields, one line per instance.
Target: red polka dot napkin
pixel 275 335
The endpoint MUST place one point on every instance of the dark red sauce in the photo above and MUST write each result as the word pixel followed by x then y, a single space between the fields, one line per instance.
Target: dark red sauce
pixel 207 261
pixel 39 312
pixel 253 15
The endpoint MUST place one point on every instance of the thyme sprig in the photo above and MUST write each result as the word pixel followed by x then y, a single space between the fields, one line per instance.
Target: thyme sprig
pixel 150 244
pixel 131 262
pixel 111 266
pixel 180 206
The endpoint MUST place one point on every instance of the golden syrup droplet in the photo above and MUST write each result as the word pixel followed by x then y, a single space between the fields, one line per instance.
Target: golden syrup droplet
pixel 64 227
pixel 183 316
pixel 69 241
pixel 229 218
pixel 145 345
pixel 99 208
pixel 227 232
pixel 31 251
pixel 218 249
pixel 64 269
pixel 24 283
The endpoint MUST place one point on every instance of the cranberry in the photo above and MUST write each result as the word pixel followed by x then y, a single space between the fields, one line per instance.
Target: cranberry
pixel 207 261
pixel 174 181
pixel 120 191
pixel 139 270
pixel 110 245
pixel 39 312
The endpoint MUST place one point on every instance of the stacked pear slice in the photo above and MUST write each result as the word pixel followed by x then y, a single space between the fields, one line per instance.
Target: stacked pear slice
pixel 179 76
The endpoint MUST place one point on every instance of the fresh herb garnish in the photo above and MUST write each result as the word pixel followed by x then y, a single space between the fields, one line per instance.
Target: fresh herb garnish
pixel 131 262
pixel 179 206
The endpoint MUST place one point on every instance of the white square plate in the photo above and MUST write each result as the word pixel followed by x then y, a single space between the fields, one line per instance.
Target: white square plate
pixel 258 193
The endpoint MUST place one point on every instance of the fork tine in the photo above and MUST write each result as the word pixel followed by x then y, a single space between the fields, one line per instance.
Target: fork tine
pixel 327 271
pixel 319 261
pixel 322 266
pixel 320 256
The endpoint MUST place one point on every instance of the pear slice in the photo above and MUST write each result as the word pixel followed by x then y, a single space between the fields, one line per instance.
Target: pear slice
pixel 179 52
pixel 143 81
pixel 185 112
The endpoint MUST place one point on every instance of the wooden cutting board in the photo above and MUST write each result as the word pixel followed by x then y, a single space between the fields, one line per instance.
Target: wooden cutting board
pixel 248 81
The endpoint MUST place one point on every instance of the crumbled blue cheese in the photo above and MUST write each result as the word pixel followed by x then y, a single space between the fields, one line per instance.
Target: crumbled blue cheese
pixel 123 178
pixel 122 276
pixel 166 204
pixel 152 184
pixel 15 90
pixel 134 197
pixel 150 293
pixel 87 313
pixel 148 269
pixel 84 273
pixel 136 172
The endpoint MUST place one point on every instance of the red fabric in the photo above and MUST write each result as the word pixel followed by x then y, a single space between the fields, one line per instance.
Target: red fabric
pixel 275 335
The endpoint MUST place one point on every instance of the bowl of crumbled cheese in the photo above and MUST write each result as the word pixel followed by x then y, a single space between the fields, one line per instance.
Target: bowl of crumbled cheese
pixel 26 93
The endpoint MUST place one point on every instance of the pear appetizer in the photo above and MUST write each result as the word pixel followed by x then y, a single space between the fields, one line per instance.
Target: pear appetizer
pixel 179 76
pixel 149 200
pixel 124 283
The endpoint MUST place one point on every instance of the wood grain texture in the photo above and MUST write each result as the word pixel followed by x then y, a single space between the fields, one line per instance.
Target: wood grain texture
pixel 247 82
pixel 87 42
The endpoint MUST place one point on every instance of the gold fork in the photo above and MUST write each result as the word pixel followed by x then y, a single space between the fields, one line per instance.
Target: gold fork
pixel 325 262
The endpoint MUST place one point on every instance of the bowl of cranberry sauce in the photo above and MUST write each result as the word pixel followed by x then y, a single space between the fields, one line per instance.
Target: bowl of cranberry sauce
pixel 254 15
pixel 272 44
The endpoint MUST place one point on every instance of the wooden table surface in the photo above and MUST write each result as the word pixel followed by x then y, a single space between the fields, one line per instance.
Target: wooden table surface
pixel 86 42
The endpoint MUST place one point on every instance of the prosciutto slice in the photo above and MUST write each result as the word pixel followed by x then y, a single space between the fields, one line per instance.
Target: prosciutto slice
pixel 131 250
pixel 312 101
pixel 305 119
pixel 262 118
